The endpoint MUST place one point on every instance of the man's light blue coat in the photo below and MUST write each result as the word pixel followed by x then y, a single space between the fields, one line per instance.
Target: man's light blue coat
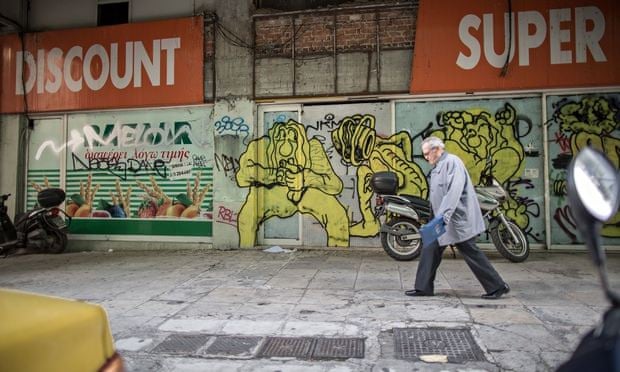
pixel 452 196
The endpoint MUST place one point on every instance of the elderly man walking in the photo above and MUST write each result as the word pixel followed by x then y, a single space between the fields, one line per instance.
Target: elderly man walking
pixel 452 196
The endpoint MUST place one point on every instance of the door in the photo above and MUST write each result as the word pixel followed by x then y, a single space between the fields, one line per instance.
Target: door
pixel 276 230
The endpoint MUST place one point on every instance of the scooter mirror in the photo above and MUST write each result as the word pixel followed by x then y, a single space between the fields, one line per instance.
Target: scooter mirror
pixel 593 186
pixel 596 185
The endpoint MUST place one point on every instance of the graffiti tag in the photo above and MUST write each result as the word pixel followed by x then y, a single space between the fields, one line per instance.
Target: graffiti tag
pixel 327 123
pixel 235 126
pixel 120 168
pixel 226 216
pixel 125 135
pixel 227 164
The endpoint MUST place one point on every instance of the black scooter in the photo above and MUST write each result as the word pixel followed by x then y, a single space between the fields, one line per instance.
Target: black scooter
pixel 594 195
pixel 40 230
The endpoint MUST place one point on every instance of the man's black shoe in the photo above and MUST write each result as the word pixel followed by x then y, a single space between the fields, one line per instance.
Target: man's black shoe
pixel 415 293
pixel 497 294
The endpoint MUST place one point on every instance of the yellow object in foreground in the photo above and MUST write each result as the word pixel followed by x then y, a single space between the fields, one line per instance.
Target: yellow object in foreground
pixel 44 333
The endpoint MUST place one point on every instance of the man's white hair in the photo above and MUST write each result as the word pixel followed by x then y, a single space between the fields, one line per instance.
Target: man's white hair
pixel 434 142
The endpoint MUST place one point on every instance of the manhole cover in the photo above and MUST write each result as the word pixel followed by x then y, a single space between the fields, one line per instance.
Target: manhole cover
pixel 312 347
pixel 457 344
pixel 181 344
pixel 295 347
pixel 233 346
pixel 338 348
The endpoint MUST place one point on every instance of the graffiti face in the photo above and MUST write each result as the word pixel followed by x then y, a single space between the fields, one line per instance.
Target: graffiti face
pixel 355 139
pixel 490 146
pixel 593 115
pixel 288 145
pixel 287 140
pixel 487 143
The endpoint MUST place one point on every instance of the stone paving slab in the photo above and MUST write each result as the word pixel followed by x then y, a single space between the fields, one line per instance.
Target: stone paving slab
pixel 151 295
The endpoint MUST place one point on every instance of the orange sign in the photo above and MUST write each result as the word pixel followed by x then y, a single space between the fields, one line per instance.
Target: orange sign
pixel 469 46
pixel 132 65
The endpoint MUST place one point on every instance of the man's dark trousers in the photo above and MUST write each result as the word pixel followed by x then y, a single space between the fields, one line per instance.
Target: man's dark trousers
pixel 430 258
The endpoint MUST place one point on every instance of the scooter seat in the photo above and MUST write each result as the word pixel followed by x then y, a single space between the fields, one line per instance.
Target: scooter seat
pixel 423 206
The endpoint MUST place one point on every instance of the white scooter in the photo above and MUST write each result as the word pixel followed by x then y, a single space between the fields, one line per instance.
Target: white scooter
pixel 402 216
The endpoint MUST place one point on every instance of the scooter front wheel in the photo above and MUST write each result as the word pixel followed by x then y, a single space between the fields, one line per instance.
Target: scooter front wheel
pixel 401 247
pixel 502 239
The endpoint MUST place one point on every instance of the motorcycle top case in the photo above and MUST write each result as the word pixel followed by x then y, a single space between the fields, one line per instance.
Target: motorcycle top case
pixel 384 183
pixel 51 197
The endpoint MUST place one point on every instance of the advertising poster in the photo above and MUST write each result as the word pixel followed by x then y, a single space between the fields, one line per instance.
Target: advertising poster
pixel 138 172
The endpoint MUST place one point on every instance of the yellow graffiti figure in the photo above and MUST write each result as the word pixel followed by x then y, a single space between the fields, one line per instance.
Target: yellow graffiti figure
pixel 592 121
pixel 356 141
pixel 289 173
pixel 488 146
pixel 484 140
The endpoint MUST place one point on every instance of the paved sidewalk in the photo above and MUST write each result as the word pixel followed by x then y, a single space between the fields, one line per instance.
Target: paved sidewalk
pixel 157 301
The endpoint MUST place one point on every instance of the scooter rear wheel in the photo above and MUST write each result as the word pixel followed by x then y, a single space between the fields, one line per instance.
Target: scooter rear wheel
pixel 399 248
pixel 57 241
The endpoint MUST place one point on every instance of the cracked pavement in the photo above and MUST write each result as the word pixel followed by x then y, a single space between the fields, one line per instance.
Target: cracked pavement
pixel 148 295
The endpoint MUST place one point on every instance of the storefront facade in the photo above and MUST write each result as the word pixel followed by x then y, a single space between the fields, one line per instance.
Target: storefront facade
pixel 121 119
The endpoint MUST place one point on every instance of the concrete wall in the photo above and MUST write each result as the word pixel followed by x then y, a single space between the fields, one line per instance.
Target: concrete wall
pixel 334 52
pixel 234 63
pixel 13 10
pixel 148 10
pixel 62 14
pixel 9 155
pixel 233 126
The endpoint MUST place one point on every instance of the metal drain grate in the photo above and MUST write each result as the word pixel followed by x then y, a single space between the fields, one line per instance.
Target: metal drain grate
pixel 181 344
pixel 312 348
pixel 233 346
pixel 338 348
pixel 457 344
pixel 295 347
